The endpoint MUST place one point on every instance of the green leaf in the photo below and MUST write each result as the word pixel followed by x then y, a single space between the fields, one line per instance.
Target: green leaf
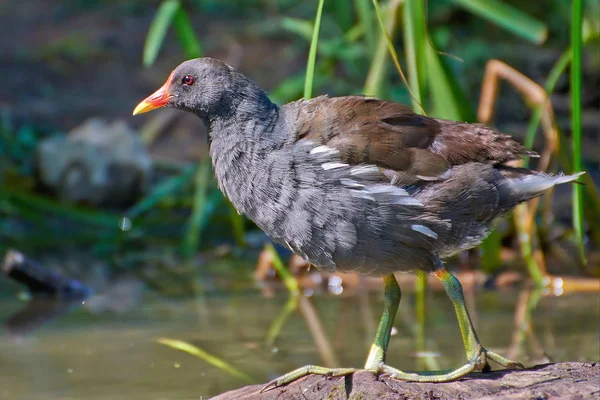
pixel 196 220
pixel 186 35
pixel 301 27
pixel 79 214
pixel 237 225
pixel 290 282
pixel 377 71
pixel 158 30
pixel 449 100
pixel 391 49
pixel 365 18
pixel 165 188
pixel 491 248
pixel 415 44
pixel 280 320
pixel 508 17
pixel 288 90
pixel 203 355
pixel 555 73
pixel 342 12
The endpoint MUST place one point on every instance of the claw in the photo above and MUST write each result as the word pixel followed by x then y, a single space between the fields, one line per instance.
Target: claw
pixel 305 371
pixel 274 384
pixel 267 387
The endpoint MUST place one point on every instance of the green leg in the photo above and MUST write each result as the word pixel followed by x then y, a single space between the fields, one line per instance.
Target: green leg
pixel 392 297
pixel 378 348
pixel 477 356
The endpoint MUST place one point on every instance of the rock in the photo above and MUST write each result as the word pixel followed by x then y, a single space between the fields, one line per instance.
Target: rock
pixel 568 380
pixel 97 163
pixel 40 280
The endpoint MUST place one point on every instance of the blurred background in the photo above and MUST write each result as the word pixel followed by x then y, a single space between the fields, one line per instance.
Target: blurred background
pixel 128 275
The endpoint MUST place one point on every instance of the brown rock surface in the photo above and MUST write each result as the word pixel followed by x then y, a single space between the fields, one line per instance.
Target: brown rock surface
pixel 568 380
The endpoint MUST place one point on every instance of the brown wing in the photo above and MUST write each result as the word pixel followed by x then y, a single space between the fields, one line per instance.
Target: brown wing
pixel 406 146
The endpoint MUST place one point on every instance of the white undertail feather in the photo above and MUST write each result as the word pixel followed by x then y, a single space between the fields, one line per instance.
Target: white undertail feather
pixel 533 185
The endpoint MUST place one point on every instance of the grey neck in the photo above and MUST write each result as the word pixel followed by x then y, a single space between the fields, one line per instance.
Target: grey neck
pixel 240 141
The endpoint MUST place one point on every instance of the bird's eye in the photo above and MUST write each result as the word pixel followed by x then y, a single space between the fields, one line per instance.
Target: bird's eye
pixel 188 80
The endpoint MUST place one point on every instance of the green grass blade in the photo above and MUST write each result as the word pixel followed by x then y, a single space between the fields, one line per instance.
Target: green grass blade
pixel 25 200
pixel 203 355
pixel 576 96
pixel 415 44
pixel 392 50
pixel 288 90
pixel 158 30
pixel 590 187
pixel 290 282
pixel 194 228
pixel 342 11
pixel 449 100
pixel 491 247
pixel 186 35
pixel 312 53
pixel 163 189
pixel 353 34
pixel 374 84
pixel 555 73
pixel 421 317
pixel 237 225
pixel 298 26
pixel 365 18
pixel 525 239
pixel 279 322
pixel 508 17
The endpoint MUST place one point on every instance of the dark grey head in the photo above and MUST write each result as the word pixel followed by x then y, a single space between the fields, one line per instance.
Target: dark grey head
pixel 206 87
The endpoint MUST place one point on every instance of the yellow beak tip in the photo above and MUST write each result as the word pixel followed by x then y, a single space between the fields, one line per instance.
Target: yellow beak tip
pixel 142 108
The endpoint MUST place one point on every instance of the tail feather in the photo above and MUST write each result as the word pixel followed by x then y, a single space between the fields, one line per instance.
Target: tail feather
pixel 529 186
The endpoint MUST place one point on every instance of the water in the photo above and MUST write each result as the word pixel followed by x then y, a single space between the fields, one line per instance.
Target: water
pixel 115 354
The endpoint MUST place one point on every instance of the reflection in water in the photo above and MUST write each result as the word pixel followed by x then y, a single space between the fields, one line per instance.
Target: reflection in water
pixel 526 304
pixel 100 355
pixel 53 294
pixel 36 313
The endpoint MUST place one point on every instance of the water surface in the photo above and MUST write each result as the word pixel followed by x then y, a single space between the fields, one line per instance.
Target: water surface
pixel 87 354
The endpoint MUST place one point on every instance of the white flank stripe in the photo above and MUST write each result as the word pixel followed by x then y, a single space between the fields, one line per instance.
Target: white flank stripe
pixel 365 170
pixel 351 183
pixel 407 201
pixel 324 149
pixel 424 230
pixel 393 190
pixel 332 165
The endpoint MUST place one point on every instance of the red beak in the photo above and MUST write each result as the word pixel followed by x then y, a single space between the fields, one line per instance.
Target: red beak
pixel 158 99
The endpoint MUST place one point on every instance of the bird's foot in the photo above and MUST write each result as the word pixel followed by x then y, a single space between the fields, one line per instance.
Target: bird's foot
pixel 477 363
pixel 498 359
pixel 304 371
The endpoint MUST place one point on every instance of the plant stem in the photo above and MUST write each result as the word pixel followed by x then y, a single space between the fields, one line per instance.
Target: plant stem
pixel 576 89
pixel 312 53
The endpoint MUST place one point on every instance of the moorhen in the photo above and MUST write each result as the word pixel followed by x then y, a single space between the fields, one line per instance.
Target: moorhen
pixel 358 184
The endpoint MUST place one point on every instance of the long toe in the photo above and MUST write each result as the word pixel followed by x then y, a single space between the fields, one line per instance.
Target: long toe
pixel 431 376
pixel 505 362
pixel 304 371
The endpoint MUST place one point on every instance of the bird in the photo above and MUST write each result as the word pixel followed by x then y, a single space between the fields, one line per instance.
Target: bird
pixel 358 184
